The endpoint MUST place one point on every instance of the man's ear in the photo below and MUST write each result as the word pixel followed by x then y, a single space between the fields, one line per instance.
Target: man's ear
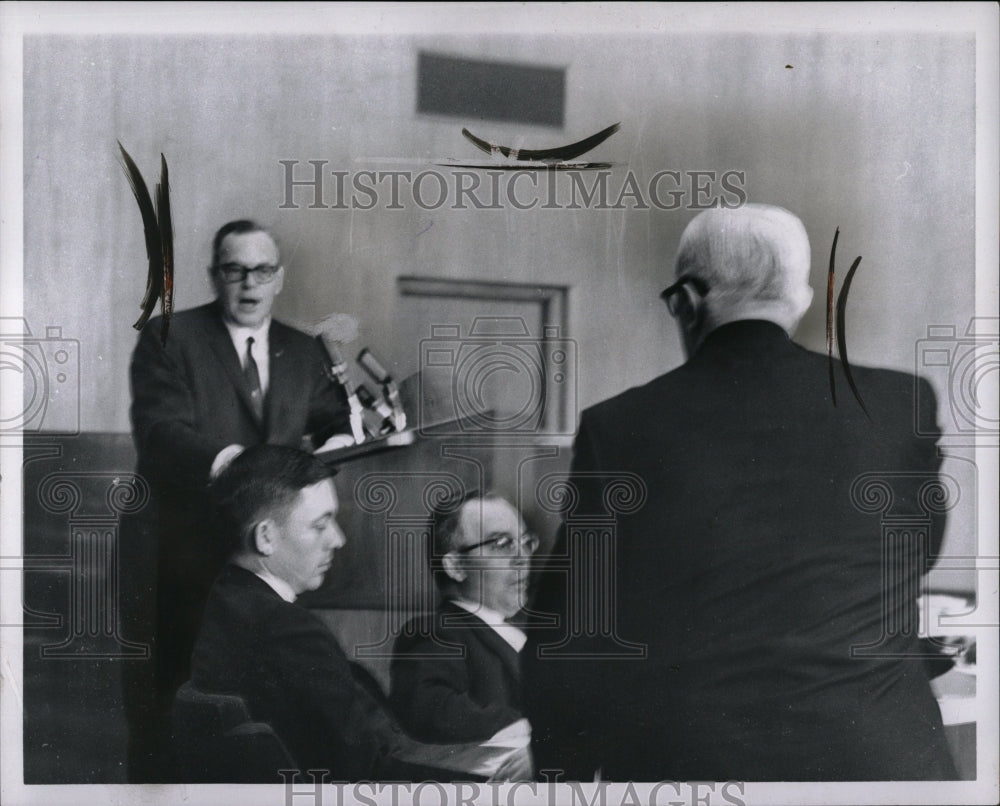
pixel 688 305
pixel 263 536
pixel 452 567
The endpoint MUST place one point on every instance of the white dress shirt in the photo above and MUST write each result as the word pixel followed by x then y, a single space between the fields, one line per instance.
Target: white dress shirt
pixel 511 634
pixel 261 353
pixel 262 356
pixel 278 585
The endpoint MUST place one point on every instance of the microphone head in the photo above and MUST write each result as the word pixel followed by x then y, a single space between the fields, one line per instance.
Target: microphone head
pixel 337 327
pixel 373 367
pixel 332 347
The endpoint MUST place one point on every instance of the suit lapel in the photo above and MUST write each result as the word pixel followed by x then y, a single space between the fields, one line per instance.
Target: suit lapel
pixel 221 343
pixel 487 636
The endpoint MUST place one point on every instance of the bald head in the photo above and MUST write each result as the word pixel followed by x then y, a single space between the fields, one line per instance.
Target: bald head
pixel 754 261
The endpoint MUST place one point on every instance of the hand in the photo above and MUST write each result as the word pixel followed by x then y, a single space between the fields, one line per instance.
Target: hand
pixel 222 460
pixel 335 442
pixel 519 766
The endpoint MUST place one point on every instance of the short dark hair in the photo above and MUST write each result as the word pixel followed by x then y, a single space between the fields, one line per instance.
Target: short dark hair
pixel 261 482
pixel 445 525
pixel 238 227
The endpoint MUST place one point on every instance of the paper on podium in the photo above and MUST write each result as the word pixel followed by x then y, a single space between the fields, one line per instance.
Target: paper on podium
pixel 482 759
pixel 335 442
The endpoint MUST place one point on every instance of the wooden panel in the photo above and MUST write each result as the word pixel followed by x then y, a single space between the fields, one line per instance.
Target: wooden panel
pixel 500 348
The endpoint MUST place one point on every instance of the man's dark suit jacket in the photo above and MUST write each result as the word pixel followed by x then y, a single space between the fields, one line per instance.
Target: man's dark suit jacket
pixel 189 401
pixel 749 574
pixel 443 697
pixel 291 672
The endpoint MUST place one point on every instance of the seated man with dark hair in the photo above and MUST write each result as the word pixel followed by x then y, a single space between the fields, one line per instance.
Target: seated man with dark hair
pixel 278 506
pixel 461 681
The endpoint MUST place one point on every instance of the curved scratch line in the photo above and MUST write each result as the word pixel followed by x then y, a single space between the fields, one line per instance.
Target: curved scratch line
pixel 154 251
pixel 560 154
pixel 842 333
pixel 829 317
pixel 167 243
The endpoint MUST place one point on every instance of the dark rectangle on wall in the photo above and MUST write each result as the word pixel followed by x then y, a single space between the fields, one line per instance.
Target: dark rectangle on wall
pixel 469 88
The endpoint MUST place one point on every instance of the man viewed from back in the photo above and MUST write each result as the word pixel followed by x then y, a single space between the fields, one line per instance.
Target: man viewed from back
pixel 228 376
pixel 750 574
pixel 461 681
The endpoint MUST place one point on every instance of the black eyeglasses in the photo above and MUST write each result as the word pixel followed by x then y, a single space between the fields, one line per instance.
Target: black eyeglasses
pixel 670 294
pixel 506 544
pixel 235 273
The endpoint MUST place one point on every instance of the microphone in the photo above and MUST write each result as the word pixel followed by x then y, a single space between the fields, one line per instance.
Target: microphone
pixel 378 418
pixel 380 375
pixel 333 332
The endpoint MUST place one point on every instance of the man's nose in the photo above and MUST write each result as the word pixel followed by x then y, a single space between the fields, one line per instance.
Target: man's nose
pixel 336 537
pixel 520 560
pixel 249 279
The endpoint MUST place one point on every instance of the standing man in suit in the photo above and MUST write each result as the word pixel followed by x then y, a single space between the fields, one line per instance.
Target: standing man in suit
pixel 750 574
pixel 462 681
pixel 228 377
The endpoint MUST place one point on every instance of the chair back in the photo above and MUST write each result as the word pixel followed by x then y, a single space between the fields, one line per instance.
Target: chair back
pixel 216 741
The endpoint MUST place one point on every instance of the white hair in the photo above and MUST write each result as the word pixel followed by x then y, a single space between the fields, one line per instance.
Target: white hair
pixel 754 259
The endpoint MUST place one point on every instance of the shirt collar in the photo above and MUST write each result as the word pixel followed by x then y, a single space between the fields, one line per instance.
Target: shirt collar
pixel 240 334
pixel 511 634
pixel 278 585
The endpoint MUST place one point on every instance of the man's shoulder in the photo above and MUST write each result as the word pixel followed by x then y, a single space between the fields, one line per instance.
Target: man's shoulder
pixel 875 378
pixel 436 634
pixel 290 335
pixel 183 325
pixel 235 584
pixel 243 601
pixel 635 396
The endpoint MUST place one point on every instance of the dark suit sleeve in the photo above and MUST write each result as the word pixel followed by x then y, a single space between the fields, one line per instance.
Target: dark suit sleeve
pixel 432 698
pixel 163 415
pixel 336 725
pixel 928 459
pixel 560 712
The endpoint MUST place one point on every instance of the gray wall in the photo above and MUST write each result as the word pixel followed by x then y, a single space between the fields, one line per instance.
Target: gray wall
pixel 871 133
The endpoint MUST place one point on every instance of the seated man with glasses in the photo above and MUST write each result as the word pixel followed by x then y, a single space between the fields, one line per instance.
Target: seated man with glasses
pixel 225 377
pixel 460 680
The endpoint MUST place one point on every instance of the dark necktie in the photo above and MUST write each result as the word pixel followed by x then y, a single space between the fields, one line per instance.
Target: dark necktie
pixel 253 381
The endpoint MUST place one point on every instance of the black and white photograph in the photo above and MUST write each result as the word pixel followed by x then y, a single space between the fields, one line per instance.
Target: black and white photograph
pixel 499 403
